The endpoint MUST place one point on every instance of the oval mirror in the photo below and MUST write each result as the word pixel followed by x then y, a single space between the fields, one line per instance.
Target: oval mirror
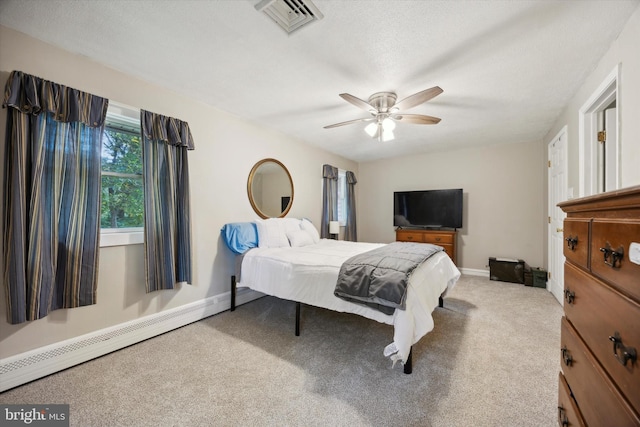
pixel 270 189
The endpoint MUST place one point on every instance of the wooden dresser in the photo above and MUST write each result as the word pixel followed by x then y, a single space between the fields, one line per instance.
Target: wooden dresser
pixel 600 332
pixel 444 238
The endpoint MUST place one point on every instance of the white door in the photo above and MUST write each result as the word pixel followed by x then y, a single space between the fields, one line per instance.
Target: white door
pixel 557 152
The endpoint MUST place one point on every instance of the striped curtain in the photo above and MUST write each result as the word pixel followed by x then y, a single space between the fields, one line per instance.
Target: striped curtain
pixel 350 231
pixel 167 215
pixel 51 196
pixel 329 198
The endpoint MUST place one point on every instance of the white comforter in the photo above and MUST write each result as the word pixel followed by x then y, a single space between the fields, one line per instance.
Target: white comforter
pixel 308 274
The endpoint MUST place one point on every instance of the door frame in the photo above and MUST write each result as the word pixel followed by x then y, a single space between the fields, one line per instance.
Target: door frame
pixel 607 92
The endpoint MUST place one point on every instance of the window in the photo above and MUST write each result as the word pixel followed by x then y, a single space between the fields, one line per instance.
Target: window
pixel 122 203
pixel 342 197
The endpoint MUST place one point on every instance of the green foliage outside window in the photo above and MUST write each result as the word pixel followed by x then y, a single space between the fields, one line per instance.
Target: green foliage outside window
pixel 122 203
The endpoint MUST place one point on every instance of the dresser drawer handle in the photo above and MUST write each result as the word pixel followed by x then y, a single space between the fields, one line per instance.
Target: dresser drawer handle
pixel 562 417
pixel 566 356
pixel 572 242
pixel 612 257
pixel 569 296
pixel 438 239
pixel 622 353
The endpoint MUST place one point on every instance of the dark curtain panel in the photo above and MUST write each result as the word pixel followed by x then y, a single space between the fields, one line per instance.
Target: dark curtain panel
pixel 167 214
pixel 329 198
pixel 350 231
pixel 51 196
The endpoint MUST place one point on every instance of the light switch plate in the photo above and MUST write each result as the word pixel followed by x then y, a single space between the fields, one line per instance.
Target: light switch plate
pixel 634 253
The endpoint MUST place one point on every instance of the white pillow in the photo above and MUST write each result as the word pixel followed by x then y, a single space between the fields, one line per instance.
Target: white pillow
pixel 271 233
pixel 299 238
pixel 262 233
pixel 307 226
pixel 289 224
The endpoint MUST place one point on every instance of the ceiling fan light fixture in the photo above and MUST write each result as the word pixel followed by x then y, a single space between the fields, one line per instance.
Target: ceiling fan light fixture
pixel 387 135
pixel 384 112
pixel 388 124
pixel 371 129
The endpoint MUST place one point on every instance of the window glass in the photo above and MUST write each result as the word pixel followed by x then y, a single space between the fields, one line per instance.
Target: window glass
pixel 122 204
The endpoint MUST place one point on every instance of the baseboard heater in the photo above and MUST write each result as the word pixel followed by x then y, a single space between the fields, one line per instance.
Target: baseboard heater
pixel 34 364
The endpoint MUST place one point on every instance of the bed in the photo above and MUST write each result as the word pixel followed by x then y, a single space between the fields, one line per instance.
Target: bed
pixel 286 258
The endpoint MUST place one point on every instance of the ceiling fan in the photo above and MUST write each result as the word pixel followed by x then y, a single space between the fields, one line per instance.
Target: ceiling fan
pixel 385 111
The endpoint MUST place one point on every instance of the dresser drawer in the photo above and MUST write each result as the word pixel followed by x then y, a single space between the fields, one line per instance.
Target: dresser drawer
pixel 437 239
pixel 408 236
pixel 598 312
pixel 568 413
pixel 423 237
pixel 444 238
pixel 616 235
pixel 598 400
pixel 576 241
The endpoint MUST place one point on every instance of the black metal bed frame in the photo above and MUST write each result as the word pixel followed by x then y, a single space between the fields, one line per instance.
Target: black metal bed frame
pixel 408 368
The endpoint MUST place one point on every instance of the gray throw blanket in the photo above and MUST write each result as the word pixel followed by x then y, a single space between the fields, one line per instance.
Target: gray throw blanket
pixel 379 278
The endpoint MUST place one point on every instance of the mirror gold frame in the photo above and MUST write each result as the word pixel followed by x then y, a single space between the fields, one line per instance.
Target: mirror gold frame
pixel 269 167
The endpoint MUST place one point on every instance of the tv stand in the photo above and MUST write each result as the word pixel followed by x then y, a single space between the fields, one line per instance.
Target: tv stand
pixel 445 238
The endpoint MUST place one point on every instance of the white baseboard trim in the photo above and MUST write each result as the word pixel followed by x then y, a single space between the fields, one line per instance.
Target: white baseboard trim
pixel 474 272
pixel 31 365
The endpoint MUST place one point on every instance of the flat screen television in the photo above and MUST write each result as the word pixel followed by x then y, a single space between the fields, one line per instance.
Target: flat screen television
pixel 428 208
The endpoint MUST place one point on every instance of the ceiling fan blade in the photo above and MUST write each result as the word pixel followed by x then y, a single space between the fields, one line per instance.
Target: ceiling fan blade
pixel 417 119
pixel 357 102
pixel 418 98
pixel 335 125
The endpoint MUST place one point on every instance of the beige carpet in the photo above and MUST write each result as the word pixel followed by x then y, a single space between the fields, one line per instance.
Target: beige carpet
pixel 492 360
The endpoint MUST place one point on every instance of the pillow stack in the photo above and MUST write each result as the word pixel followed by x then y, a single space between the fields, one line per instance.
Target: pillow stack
pixel 286 232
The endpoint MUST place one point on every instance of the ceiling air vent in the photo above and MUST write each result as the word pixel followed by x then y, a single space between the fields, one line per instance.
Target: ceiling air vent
pixel 290 14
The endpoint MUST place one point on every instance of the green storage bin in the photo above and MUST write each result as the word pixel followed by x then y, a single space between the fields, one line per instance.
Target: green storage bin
pixel 528 276
pixel 506 270
pixel 539 277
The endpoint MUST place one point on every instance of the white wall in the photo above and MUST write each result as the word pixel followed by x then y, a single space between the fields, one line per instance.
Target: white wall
pixel 503 198
pixel 624 51
pixel 226 150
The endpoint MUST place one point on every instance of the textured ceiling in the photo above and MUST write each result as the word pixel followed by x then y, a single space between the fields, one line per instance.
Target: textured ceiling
pixel 507 68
